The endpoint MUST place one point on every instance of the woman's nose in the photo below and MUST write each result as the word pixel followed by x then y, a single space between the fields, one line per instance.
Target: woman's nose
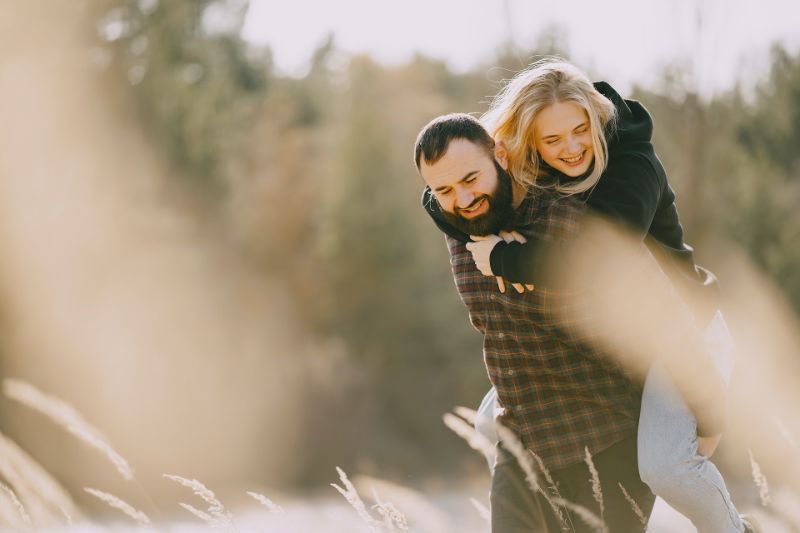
pixel 573 145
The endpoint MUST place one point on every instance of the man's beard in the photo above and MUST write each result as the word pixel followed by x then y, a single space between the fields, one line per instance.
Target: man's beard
pixel 497 215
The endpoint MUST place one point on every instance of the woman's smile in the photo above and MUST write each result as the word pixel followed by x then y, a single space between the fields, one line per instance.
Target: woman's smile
pixel 574 161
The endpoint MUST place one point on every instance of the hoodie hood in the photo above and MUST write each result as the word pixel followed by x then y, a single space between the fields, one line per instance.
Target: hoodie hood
pixel 634 123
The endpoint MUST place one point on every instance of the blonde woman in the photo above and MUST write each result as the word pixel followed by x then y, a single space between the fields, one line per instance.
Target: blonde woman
pixel 584 139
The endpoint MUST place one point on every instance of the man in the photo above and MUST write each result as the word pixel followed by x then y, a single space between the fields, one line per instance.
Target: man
pixel 561 397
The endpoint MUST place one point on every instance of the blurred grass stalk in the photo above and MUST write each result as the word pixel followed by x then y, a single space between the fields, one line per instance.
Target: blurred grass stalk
pixel 119 293
pixel 634 311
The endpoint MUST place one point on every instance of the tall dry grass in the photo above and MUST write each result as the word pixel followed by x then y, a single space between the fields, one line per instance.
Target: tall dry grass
pixel 34 500
pixel 382 516
pixel 117 503
pixel 45 502
pixel 37 501
pixel 68 417
pixel 119 289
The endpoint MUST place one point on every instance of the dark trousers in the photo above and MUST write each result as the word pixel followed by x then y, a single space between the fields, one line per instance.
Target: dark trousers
pixel 516 509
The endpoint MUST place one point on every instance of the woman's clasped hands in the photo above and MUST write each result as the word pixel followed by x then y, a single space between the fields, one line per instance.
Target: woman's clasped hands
pixel 481 249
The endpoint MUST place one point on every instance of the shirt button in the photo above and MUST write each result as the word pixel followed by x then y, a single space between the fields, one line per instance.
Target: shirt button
pixel 510 372
pixel 501 335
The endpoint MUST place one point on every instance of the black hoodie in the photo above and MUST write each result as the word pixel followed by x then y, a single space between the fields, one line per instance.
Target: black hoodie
pixel 633 191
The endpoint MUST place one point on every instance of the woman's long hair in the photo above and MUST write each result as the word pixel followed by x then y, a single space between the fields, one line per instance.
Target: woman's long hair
pixel 513 111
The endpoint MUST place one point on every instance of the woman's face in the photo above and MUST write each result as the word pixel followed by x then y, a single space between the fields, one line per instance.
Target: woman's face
pixel 563 138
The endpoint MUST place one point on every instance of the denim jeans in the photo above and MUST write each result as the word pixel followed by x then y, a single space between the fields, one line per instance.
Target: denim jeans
pixel 668 458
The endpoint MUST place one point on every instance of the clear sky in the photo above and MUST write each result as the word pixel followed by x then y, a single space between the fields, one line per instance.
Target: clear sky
pixel 622 41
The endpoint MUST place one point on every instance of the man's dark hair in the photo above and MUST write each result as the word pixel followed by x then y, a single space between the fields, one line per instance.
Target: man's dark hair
pixel 435 137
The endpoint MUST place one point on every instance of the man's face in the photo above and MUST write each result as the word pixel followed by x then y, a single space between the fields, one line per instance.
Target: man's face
pixel 472 187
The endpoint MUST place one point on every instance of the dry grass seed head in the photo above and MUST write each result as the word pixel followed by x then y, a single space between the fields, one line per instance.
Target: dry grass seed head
pixel 588 517
pixel 44 499
pixel 17 505
pixel 266 502
pixel 760 480
pixel 483 511
pixel 351 495
pixel 475 440
pixel 122 505
pixel 392 517
pixel 66 416
pixel 635 506
pixel 202 515
pixel 597 490
pixel 222 517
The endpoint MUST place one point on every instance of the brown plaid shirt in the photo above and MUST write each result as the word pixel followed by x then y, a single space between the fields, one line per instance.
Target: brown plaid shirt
pixel 559 394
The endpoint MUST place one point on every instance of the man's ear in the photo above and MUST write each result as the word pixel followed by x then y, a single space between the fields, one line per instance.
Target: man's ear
pixel 501 154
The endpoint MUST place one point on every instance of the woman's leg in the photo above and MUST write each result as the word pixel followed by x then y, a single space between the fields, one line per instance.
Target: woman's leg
pixel 668 458
pixel 485 423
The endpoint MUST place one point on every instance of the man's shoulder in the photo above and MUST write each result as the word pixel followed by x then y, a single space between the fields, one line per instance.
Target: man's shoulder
pixel 456 247
pixel 544 206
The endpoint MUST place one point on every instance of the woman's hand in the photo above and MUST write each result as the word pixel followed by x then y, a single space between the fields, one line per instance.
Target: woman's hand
pixel 706 446
pixel 481 250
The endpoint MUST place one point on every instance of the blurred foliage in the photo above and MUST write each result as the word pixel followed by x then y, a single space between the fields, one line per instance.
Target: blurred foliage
pixel 316 177
pixel 771 129
pixel 735 166
pixel 194 77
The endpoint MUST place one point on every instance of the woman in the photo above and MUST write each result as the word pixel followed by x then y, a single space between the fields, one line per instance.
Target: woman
pixel 590 142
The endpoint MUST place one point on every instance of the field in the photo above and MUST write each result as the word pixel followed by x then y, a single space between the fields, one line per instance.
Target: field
pixel 33 500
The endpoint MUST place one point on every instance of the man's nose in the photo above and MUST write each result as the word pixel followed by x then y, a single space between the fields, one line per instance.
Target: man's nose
pixel 464 198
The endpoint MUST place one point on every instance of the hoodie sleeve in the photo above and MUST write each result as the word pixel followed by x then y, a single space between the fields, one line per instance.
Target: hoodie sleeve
pixel 629 193
pixel 630 190
pixel 514 261
pixel 631 202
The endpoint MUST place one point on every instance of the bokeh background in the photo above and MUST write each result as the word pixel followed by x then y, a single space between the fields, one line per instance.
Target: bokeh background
pixel 211 242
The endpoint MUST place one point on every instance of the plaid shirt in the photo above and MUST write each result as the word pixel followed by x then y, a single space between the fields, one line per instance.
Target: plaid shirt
pixel 559 394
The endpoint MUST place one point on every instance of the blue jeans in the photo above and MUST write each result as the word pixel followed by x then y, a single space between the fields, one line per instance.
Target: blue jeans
pixel 668 458
pixel 667 444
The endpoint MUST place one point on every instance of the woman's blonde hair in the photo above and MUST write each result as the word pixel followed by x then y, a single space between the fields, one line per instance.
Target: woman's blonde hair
pixel 513 111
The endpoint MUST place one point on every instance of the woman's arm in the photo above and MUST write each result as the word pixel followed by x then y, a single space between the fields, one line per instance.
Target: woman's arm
pixel 630 190
pixel 628 193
